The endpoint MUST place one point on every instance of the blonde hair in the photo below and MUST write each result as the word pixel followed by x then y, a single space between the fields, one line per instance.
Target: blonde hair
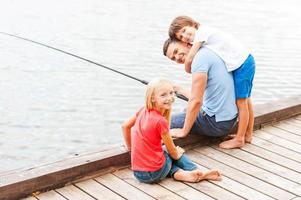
pixel 152 88
pixel 178 23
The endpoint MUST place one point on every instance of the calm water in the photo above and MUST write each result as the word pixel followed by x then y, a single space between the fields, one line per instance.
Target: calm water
pixel 53 105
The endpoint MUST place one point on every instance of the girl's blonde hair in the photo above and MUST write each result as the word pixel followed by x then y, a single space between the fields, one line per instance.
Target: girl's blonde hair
pixel 178 23
pixel 152 88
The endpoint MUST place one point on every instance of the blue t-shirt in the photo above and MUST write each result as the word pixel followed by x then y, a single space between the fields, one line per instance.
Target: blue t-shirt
pixel 219 97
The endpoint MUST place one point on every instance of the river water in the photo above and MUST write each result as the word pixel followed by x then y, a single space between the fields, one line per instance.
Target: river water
pixel 53 106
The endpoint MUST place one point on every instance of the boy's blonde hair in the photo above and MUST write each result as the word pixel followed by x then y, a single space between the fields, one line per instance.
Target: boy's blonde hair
pixel 178 23
pixel 152 88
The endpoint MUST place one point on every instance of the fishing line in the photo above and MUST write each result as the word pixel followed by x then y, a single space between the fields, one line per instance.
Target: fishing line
pixel 87 60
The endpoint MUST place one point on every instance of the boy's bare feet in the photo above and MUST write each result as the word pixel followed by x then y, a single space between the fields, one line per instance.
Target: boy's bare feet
pixel 212 175
pixel 231 144
pixel 188 176
pixel 248 137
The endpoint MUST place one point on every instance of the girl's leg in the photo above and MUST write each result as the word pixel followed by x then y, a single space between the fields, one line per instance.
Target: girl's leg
pixel 243 120
pixel 156 176
pixel 249 132
pixel 189 171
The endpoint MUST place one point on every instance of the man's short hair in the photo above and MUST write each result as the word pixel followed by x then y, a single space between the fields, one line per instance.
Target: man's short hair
pixel 166 45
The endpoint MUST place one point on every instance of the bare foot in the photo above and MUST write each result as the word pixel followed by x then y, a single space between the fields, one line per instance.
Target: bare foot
pixel 188 176
pixel 212 175
pixel 231 144
pixel 248 137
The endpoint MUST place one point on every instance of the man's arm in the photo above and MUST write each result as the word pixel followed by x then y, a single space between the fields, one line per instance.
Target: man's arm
pixel 199 82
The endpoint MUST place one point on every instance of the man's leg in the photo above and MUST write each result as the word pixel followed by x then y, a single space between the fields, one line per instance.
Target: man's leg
pixel 243 116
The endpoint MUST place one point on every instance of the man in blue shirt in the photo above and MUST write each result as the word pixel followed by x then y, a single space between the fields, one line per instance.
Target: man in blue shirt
pixel 211 109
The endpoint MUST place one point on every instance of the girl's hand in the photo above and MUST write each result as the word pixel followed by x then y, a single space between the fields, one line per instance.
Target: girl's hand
pixel 180 152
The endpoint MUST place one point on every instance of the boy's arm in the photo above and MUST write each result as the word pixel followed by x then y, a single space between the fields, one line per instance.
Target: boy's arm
pixel 126 129
pixel 174 152
pixel 194 49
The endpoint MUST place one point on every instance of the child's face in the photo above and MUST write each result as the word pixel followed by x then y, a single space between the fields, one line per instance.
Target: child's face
pixel 164 97
pixel 186 34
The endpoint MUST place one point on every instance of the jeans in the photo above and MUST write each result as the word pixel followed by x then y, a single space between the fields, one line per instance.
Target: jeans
pixel 169 168
pixel 204 124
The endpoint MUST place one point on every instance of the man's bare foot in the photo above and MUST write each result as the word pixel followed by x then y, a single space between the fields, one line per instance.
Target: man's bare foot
pixel 188 176
pixel 231 144
pixel 212 175
pixel 248 137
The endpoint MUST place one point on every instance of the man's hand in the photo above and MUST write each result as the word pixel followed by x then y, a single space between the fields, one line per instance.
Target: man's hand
pixel 177 132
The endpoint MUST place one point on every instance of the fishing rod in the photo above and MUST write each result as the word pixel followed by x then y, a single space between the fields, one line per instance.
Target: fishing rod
pixel 87 60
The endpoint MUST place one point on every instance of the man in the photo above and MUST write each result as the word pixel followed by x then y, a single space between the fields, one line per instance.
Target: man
pixel 211 109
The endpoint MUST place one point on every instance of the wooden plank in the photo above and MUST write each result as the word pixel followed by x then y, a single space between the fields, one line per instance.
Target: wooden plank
pixel 122 188
pixel 154 190
pixel 291 128
pixel 277 149
pixel 264 175
pixel 240 177
pixel 183 190
pixel 97 190
pixel 282 133
pixel 54 175
pixel 236 187
pixel 279 141
pixel 214 191
pixel 50 195
pixel 298 117
pixel 263 164
pixel 73 193
pixel 272 112
pixel 276 158
pixel 29 198
pixel 293 121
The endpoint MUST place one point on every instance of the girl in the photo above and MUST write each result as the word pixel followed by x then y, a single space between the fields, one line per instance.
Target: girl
pixel 237 59
pixel 143 133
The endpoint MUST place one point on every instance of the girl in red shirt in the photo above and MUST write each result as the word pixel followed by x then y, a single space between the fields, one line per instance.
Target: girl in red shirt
pixel 144 132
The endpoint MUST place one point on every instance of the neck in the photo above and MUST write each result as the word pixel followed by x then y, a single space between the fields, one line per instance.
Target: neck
pixel 161 110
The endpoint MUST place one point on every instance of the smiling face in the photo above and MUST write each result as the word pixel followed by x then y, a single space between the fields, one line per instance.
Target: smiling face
pixel 177 51
pixel 163 97
pixel 186 34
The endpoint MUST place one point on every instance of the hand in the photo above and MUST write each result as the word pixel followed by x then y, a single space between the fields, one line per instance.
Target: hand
pixel 177 88
pixel 180 152
pixel 176 132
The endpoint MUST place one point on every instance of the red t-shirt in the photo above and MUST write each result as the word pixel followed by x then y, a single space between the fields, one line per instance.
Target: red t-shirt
pixel 146 151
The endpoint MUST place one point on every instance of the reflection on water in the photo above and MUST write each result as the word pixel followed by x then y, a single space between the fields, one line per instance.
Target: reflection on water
pixel 53 105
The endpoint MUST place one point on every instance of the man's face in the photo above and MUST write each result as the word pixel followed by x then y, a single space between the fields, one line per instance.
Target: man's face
pixel 177 51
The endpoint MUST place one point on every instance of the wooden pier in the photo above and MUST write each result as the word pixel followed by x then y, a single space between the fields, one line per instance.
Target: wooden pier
pixel 268 168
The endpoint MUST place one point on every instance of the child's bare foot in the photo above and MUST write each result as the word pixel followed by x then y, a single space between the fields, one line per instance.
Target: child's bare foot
pixel 231 144
pixel 212 175
pixel 248 137
pixel 189 176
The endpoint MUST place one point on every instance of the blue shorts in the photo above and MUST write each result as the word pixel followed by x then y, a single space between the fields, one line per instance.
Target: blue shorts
pixel 243 78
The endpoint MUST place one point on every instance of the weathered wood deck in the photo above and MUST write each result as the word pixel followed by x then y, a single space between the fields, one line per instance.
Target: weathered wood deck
pixel 269 168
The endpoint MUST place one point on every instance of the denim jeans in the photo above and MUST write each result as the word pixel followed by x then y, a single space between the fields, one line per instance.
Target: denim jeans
pixel 169 168
pixel 204 124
